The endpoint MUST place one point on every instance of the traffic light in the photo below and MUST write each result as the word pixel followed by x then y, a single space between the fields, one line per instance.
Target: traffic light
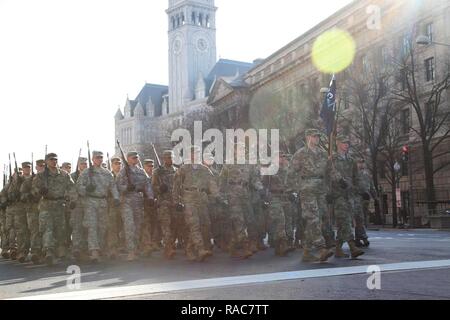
pixel 405 153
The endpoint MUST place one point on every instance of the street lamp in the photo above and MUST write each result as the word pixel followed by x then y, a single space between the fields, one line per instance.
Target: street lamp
pixel 425 41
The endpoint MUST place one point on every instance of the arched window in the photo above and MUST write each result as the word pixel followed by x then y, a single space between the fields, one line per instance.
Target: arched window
pixel 207 22
pixel 183 20
pixel 200 19
pixel 193 17
pixel 173 23
pixel 178 20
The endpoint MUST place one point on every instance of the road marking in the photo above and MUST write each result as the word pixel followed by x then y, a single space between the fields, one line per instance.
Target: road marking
pixel 118 292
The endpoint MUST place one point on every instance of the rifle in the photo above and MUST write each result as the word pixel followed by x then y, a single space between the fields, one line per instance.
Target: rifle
pixel 46 170
pixel 4 175
pixel 32 164
pixel 156 155
pixel 109 161
pixel 16 168
pixel 127 165
pixel 10 167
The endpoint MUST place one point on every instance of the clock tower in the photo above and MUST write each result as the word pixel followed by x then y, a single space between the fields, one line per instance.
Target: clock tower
pixel 192 47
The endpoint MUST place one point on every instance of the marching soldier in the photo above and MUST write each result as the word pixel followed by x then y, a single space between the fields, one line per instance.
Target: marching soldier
pixel 133 184
pixel 344 174
pixel 55 186
pixel 79 238
pixel 67 167
pixel 236 181
pixel 192 184
pixel 309 164
pixel 114 229
pixel 94 185
pixel 149 232
pixel 162 183
pixel 32 211
pixel 366 191
pixel 4 243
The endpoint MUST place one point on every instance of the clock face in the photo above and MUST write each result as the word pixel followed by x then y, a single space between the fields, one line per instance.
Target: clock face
pixel 177 45
pixel 202 44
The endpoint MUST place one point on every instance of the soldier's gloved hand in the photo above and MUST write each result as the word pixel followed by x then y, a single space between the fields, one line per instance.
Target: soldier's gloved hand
pixel 179 207
pixel 44 191
pixel 329 199
pixel 343 184
pixel 293 197
pixel 163 188
pixel 72 205
pixel 90 188
pixel 131 188
pixel 116 203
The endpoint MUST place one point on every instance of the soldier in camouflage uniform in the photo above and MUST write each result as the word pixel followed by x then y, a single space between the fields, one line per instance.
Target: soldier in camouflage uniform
pixel 67 167
pixel 114 225
pixel 94 186
pixel 149 229
pixel 276 203
pixel 79 233
pixel 56 187
pixel 32 211
pixel 289 205
pixel 3 230
pixel 365 190
pixel 236 180
pixel 344 174
pixel 133 184
pixel 192 184
pixel 16 214
pixel 162 183
pixel 309 165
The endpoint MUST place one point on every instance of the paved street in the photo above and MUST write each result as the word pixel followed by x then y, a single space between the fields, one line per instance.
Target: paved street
pixel 415 265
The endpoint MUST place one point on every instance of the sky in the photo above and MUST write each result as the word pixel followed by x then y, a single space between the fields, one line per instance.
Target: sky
pixel 67 65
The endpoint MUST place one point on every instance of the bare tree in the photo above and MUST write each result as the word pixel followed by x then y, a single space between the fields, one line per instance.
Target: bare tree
pixel 423 88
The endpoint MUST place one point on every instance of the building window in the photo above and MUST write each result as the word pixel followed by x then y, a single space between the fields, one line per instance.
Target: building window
pixel 429 69
pixel 405 121
pixel 406 45
pixel 173 23
pixel 382 169
pixel 200 19
pixel 183 19
pixel 404 170
pixel 402 79
pixel 208 23
pixel 193 17
pixel 429 31
pixel 384 56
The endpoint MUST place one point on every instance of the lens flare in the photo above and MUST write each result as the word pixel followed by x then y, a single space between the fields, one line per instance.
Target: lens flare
pixel 333 51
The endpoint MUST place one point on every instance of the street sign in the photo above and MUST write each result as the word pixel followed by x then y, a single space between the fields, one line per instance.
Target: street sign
pixel 399 198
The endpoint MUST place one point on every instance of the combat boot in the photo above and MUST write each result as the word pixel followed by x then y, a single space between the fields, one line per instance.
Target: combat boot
pixel 131 257
pixel 354 250
pixel 253 247
pixel 359 243
pixel 13 254
pixel 21 257
pixel 35 258
pixel 95 257
pixel 169 252
pixel 325 254
pixel 339 253
pixel 309 257
pixel 49 259
pixel 5 255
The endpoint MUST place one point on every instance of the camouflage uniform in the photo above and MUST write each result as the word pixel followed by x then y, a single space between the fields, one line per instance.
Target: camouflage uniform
pixel 132 209
pixel 261 219
pixel 52 208
pixel 309 166
pixel 162 183
pixel 192 183
pixel 79 233
pixel 278 201
pixel 113 228
pixel 236 181
pixel 3 231
pixel 365 189
pixel 16 219
pixel 95 203
pixel 32 210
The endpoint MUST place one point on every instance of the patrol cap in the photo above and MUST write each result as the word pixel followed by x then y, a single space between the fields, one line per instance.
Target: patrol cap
pixel 26 164
pixel 40 162
pixel 149 161
pixel 116 160
pixel 82 160
pixel 312 132
pixel 97 154
pixel 343 138
pixel 51 156
pixel 132 154
pixel 168 153
pixel 66 164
